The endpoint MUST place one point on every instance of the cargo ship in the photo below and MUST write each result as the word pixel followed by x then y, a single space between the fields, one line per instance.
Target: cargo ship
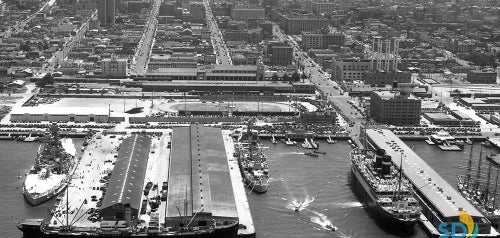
pixel 252 161
pixel 477 185
pixel 51 171
pixel 386 191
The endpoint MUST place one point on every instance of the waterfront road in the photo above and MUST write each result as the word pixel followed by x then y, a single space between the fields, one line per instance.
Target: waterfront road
pixel 143 50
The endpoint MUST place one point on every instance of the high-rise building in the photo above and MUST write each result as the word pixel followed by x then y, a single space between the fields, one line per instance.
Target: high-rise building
pixel 395 108
pixel 106 11
pixel 482 76
pixel 114 67
pixel 321 41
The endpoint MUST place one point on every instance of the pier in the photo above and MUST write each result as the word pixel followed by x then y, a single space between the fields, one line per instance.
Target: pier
pixel 182 181
pixel 440 201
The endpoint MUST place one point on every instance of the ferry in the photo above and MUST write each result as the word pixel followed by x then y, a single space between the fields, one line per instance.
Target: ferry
pixel 387 192
pixel 52 169
pixel 442 137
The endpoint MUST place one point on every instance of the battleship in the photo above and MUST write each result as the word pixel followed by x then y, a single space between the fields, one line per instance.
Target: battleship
pixel 51 170
pixel 387 191
pixel 252 161
pixel 481 191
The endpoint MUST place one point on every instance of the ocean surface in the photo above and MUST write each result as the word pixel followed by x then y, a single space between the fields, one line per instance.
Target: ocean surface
pixel 322 185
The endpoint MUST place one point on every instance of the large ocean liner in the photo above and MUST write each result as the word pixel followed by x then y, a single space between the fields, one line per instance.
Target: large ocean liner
pixel 386 190
pixel 52 169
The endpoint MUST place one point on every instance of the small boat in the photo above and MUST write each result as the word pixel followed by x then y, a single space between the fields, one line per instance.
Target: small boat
pixel 313 144
pixel 307 145
pixel 290 142
pixel 330 227
pixel 319 152
pixel 30 138
pixel 311 154
pixel 297 208
pixel 468 141
pixel 273 140
pixel 330 141
pixel 429 141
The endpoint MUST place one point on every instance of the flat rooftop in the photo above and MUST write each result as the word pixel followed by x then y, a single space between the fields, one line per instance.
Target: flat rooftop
pixel 200 173
pixel 445 199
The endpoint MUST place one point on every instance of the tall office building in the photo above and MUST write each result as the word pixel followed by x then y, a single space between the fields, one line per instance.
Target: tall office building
pixel 106 11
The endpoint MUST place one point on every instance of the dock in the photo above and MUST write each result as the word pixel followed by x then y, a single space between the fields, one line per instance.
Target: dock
pixel 182 181
pixel 441 203
pixel 240 194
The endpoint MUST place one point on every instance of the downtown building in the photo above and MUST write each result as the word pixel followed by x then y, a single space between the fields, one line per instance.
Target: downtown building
pixel 316 40
pixel 395 108
pixel 106 11
pixel 296 24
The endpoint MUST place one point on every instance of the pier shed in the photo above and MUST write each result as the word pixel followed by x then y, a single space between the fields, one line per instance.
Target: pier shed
pixel 440 202
pixel 123 197
pixel 200 190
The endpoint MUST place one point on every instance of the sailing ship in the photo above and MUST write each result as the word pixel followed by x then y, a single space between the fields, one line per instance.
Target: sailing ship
pixel 386 190
pixel 481 191
pixel 52 169
pixel 252 161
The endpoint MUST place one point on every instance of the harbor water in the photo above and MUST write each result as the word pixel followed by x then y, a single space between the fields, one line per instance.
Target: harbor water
pixel 322 187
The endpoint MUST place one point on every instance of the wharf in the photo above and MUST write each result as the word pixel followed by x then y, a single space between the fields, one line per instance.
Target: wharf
pixel 240 194
pixel 95 163
pixel 440 201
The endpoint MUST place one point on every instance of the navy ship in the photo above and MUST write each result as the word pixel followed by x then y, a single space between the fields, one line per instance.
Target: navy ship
pixel 252 161
pixel 386 190
pixel 51 171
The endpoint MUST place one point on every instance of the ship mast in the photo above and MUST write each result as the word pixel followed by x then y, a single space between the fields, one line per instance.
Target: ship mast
pixel 469 168
pixel 478 169
pixel 487 192
pixel 495 191
pixel 400 176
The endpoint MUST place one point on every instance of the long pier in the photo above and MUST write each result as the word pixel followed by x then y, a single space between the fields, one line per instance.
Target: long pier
pixel 440 201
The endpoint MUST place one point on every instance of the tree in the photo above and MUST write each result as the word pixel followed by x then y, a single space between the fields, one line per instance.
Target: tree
pixel 275 77
pixel 304 77
pixel 295 76
pixel 286 78
pixel 47 79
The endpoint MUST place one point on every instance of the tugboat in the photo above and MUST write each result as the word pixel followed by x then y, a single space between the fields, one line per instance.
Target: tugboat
pixel 387 191
pixel 52 169
pixel 252 161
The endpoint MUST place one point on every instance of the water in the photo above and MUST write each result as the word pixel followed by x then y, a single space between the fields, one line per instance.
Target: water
pixel 320 186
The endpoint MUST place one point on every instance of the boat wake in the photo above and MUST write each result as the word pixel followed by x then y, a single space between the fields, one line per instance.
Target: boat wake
pixel 297 205
pixel 322 220
pixel 292 153
pixel 349 204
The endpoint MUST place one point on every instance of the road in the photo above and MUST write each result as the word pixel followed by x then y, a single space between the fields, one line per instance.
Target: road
pixel 20 25
pixel 220 48
pixel 323 82
pixel 143 51
pixel 62 53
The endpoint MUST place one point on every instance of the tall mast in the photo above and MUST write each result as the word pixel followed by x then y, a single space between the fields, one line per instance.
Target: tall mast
pixel 479 169
pixel 400 174
pixel 487 192
pixel 469 168
pixel 495 191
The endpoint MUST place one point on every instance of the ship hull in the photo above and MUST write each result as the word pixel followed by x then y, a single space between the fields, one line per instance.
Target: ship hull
pixel 250 183
pixel 230 231
pixel 35 200
pixel 362 189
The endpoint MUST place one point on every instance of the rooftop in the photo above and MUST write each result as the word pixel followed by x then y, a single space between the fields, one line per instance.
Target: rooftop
pixel 51 110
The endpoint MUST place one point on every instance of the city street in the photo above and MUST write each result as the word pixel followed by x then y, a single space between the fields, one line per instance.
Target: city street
pixel 140 60
pixel 220 48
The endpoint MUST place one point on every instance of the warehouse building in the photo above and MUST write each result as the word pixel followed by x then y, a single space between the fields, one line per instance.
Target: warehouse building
pixel 123 196
pixel 60 114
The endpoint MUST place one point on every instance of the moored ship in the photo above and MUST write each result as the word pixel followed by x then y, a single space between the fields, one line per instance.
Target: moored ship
pixel 477 185
pixel 386 190
pixel 252 161
pixel 51 171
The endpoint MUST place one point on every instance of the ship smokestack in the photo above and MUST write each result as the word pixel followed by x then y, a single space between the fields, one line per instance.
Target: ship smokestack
pixel 386 165
pixel 379 156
